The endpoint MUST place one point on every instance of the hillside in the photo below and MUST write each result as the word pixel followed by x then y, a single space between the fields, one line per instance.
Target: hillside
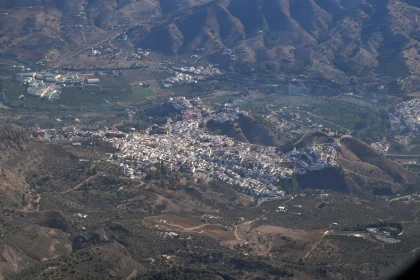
pixel 62 218
pixel 361 169
pixel 247 129
pixel 32 233
pixel 26 162
pixel 25 240
pixel 14 189
pixel 85 220
pixel 316 138
pixel 366 167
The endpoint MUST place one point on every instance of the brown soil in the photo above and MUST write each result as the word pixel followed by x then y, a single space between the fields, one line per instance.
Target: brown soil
pixel 265 240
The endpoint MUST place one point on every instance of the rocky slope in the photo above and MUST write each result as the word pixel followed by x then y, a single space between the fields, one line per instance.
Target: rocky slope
pixel 360 169
pixel 247 129
pixel 27 166
pixel 32 235
pixel 14 189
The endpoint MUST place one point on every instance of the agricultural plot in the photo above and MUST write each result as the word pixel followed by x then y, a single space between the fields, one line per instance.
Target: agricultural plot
pixel 11 91
pixel 162 75
pixel 373 258
pixel 135 76
pixel 279 242
pixel 217 101
pixel 333 113
pixel 141 95
pixel 8 71
pixel 249 105
pixel 341 248
pixel 264 240
pixel 112 81
pixel 93 97
pixel 81 96
pixel 181 90
pixel 50 201
pixel 84 153
pixel 58 174
pixel 317 211
pixel 155 242
pixel 410 229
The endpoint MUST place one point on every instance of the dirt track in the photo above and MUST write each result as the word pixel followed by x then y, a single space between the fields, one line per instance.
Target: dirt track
pixel 82 183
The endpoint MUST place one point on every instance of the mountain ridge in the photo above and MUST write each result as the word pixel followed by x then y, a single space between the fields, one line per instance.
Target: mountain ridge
pixel 326 39
pixel 364 42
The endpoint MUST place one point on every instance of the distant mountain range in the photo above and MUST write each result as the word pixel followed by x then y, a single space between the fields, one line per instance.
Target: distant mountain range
pixel 340 41
pixel 371 42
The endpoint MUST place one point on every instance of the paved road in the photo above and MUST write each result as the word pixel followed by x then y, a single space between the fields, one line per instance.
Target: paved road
pixel 401 155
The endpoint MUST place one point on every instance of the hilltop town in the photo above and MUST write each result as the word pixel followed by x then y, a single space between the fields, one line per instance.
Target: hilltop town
pixel 186 145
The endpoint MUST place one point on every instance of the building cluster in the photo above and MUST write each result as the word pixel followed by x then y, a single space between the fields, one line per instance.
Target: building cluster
pixel 140 53
pixel 405 120
pixel 94 52
pixel 189 75
pixel 71 134
pixel 40 85
pixel 69 79
pixel 230 54
pixel 181 103
pixel 47 85
pixel 183 78
pixel 382 146
pixel 290 129
pixel 186 146
pixel 33 78
pixel 407 115
pixel 228 114
pixel 200 70
pixel 314 157
pixel 101 50
pixel 377 231
pixel 291 124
